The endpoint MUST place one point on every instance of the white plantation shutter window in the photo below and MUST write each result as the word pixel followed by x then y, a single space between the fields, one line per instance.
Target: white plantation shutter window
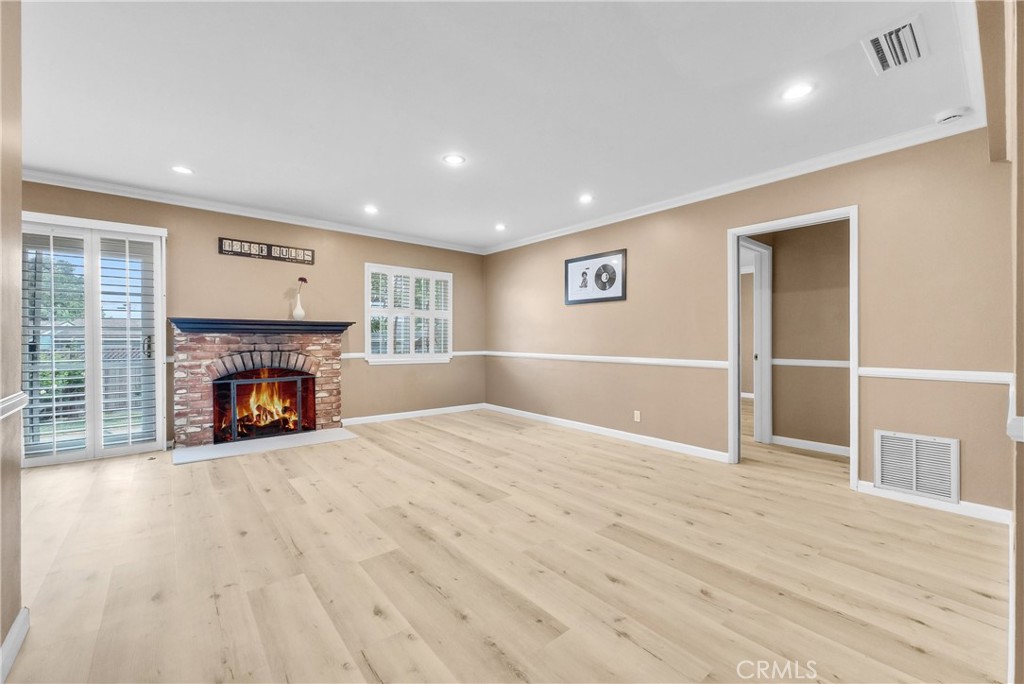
pixel 378 335
pixel 379 291
pixel 441 295
pixel 414 324
pixel 421 344
pixel 401 339
pixel 402 292
pixel 440 335
pixel 423 294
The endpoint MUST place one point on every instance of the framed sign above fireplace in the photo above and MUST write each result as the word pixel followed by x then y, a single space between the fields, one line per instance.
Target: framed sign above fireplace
pixel 265 250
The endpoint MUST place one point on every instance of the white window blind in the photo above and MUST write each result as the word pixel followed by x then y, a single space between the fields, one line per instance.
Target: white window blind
pixel 127 330
pixel 409 313
pixel 53 343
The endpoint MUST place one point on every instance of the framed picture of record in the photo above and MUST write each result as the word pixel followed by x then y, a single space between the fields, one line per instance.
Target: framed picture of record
pixel 596 278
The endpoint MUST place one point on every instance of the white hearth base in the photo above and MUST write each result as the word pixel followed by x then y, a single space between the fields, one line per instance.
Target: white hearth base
pixel 208 452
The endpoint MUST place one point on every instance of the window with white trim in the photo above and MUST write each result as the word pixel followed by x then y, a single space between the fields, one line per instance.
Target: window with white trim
pixel 408 315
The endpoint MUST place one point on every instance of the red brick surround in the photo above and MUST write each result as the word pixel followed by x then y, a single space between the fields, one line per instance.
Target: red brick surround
pixel 201 358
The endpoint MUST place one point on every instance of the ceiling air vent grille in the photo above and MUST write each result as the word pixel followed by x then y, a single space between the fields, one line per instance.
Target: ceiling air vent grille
pixel 918 464
pixel 896 47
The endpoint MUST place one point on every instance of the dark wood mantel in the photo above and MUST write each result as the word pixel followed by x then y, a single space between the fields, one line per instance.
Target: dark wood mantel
pixel 257 326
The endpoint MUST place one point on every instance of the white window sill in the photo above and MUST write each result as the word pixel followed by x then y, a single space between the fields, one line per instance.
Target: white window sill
pixel 406 360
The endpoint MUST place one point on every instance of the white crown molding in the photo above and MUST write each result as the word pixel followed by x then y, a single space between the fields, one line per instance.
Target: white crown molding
pixel 893 143
pixel 919 136
pixel 122 190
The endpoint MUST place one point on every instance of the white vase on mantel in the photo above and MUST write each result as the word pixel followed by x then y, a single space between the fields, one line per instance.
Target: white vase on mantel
pixel 298 313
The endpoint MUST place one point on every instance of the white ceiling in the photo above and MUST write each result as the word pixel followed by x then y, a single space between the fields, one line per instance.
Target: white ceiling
pixel 307 112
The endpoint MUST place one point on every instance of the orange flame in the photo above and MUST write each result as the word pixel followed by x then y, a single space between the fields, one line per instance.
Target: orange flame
pixel 266 405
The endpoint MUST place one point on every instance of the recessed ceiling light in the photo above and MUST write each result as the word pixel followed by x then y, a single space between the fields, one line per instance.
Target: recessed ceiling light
pixel 797 91
pixel 499 227
pixel 182 170
pixel 370 209
pixel 586 198
pixel 452 159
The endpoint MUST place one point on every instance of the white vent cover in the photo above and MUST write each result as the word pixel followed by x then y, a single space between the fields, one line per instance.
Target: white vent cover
pixel 895 47
pixel 918 464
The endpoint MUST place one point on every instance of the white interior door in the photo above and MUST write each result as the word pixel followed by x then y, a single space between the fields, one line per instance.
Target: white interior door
pixel 762 258
pixel 92 341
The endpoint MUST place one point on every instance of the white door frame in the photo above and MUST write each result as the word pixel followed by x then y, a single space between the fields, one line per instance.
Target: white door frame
pixel 732 239
pixel 762 306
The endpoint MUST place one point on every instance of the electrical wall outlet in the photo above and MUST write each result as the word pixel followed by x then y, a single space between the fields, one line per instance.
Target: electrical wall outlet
pixel 636 416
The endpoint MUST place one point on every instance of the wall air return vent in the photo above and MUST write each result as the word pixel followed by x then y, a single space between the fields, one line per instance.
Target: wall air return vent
pixel 918 464
pixel 896 47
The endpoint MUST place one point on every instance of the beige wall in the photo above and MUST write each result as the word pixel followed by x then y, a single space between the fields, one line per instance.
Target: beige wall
pixel 811 292
pixel 935 292
pixel 811 404
pixel 811 320
pixel 10 311
pixel 602 394
pixel 973 413
pixel 747 333
pixel 203 283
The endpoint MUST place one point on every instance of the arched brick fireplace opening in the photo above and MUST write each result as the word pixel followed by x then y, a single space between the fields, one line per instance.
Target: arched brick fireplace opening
pixel 244 379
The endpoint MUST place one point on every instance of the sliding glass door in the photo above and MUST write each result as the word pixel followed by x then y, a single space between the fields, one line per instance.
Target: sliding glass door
pixel 92 343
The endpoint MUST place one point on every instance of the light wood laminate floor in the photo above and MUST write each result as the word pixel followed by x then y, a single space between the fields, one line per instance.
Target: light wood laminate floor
pixel 479 547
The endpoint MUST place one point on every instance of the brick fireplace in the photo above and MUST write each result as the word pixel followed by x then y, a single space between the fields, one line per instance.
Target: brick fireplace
pixel 212 353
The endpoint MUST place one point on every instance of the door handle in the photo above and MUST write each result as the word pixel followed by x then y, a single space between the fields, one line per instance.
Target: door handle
pixel 147 346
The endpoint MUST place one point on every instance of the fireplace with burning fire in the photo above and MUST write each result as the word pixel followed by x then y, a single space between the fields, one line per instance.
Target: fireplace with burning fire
pixel 264 402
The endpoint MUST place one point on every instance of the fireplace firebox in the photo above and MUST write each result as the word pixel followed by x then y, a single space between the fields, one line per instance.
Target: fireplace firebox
pixel 264 402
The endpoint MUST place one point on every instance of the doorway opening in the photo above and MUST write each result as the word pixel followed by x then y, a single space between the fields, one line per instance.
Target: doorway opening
pixel 793 353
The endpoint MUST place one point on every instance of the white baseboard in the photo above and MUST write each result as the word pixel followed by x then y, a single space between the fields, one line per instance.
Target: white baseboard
pixel 971 510
pixel 677 447
pixel 746 395
pixel 12 644
pixel 808 445
pixel 361 420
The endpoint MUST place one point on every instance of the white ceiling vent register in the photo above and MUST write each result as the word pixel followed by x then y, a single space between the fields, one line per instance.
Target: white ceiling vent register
pixel 896 47
pixel 918 464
